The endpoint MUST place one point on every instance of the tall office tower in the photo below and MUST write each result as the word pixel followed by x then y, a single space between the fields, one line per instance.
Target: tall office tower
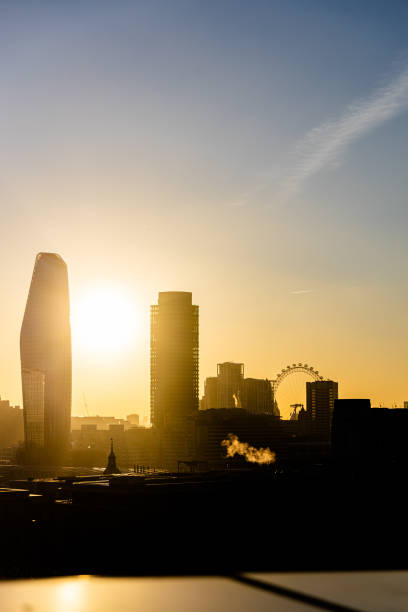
pixel 231 390
pixel 257 396
pixel 209 399
pixel 173 359
pixel 45 350
pixel 320 397
pixel 230 383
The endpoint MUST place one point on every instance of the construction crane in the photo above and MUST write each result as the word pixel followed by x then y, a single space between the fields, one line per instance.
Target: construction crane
pixel 85 404
pixel 293 414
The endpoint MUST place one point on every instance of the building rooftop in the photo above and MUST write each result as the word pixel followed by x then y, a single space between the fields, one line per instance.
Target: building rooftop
pixel 271 592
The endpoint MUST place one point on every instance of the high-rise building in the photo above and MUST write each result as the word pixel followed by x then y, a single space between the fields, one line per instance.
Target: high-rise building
pixel 45 349
pixel 230 383
pixel 210 399
pixel 229 389
pixel 173 358
pixel 257 396
pixel 320 397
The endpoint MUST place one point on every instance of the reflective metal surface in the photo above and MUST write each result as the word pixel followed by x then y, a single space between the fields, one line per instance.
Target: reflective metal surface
pixel 369 591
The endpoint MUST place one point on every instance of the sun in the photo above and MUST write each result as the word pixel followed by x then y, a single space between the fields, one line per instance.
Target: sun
pixel 105 320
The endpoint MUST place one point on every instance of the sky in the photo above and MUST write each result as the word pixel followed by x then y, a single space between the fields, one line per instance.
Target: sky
pixel 253 153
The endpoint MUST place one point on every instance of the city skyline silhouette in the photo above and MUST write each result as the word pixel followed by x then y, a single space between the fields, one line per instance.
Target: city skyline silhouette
pixel 203 391
pixel 92 309
pixel 167 161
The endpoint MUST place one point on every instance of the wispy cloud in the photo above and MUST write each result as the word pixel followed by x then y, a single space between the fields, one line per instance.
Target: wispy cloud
pixel 300 291
pixel 324 145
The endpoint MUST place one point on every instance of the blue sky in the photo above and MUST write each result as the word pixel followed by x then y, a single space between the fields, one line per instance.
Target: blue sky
pixel 151 140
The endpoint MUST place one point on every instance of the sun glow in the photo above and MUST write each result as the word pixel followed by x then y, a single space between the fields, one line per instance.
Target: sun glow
pixel 105 320
pixel 70 594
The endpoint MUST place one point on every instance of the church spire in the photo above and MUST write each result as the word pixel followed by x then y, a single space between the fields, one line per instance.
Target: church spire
pixel 112 468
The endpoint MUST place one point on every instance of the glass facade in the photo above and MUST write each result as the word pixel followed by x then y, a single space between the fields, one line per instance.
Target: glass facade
pixel 45 349
pixel 33 398
pixel 173 358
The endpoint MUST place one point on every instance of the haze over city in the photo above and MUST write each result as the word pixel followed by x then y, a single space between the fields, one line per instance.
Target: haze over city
pixel 257 161
pixel 203 389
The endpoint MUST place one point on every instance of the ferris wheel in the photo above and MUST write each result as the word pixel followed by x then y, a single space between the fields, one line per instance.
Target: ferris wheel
pixel 293 369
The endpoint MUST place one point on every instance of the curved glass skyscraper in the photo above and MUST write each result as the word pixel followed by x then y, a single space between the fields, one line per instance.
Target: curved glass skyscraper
pixel 45 349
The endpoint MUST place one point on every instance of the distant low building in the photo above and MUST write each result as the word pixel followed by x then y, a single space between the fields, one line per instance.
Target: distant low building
pixel 258 430
pixel 104 422
pixel 133 419
pixel 369 437
pixel 11 425
pixel 134 446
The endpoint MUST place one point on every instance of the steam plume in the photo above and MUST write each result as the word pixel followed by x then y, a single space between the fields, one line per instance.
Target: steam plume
pixel 251 454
